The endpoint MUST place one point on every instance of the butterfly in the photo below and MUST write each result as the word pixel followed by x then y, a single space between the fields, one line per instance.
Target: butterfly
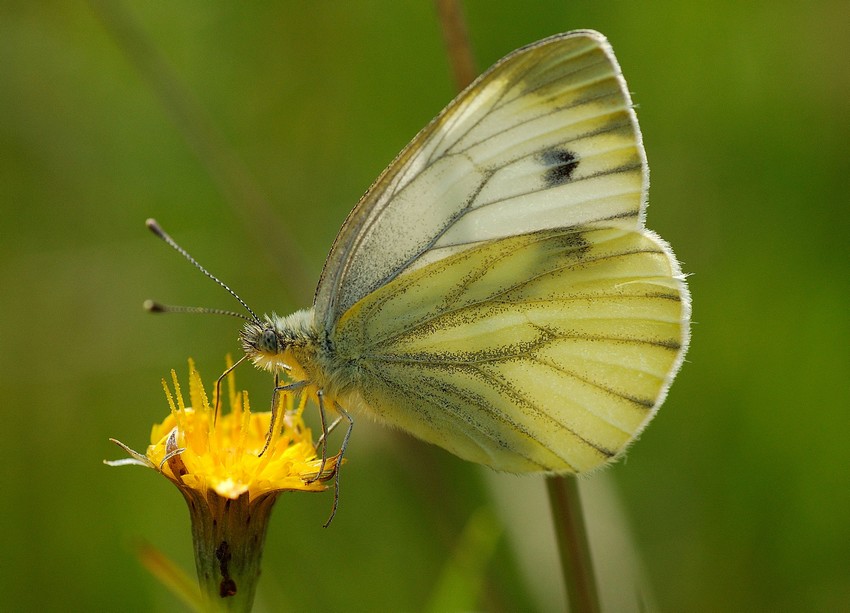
pixel 495 292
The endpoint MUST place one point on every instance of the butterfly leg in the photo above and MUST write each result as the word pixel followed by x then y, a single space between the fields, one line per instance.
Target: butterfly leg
pixel 326 431
pixel 331 428
pixel 323 440
pixel 291 387
pixel 218 387
pixel 343 414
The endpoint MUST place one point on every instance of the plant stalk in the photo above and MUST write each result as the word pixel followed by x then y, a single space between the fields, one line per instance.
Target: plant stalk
pixel 573 544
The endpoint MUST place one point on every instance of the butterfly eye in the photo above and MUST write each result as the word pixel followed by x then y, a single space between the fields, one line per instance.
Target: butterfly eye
pixel 268 342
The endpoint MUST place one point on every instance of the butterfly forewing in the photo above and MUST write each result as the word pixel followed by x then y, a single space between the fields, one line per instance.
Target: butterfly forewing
pixel 544 139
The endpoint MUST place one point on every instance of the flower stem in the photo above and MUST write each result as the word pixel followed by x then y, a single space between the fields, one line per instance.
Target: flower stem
pixel 576 563
pixel 228 536
pixel 456 37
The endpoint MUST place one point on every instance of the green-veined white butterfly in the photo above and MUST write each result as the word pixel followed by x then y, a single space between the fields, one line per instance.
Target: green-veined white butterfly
pixel 495 292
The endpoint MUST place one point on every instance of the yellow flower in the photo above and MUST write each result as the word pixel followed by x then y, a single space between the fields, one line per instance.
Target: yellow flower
pixel 198 451
pixel 223 455
pixel 230 468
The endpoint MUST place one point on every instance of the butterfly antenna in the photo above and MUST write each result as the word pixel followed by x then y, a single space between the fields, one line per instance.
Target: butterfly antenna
pixel 154 307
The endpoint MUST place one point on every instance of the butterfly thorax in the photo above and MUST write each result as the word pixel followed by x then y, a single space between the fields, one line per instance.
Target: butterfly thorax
pixel 293 345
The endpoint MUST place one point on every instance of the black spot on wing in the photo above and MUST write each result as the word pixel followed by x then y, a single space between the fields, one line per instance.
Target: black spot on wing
pixel 560 163
pixel 573 242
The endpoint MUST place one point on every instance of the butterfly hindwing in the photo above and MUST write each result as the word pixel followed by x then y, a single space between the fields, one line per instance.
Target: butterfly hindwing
pixel 545 351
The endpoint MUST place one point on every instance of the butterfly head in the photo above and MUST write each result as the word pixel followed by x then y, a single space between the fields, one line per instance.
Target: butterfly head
pixel 269 342
pixel 261 343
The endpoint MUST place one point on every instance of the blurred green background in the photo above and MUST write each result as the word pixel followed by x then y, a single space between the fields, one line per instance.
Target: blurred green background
pixel 736 498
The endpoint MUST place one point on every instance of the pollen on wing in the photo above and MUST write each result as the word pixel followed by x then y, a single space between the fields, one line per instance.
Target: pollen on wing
pixel 197 451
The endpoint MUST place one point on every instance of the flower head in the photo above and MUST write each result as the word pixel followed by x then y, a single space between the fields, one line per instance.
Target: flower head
pixel 199 450
pixel 230 468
